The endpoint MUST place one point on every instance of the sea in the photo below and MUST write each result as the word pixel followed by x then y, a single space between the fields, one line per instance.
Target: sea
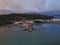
pixel 57 16
pixel 42 34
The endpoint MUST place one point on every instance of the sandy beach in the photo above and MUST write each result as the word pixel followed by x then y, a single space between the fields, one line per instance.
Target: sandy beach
pixel 8 28
pixel 4 29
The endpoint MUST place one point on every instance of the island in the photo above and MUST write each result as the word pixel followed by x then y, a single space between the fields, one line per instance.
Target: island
pixel 10 18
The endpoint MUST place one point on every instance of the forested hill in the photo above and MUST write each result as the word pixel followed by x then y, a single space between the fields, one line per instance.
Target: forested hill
pixel 28 16
pixel 8 18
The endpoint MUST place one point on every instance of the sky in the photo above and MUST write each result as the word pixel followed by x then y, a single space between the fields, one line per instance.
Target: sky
pixel 24 6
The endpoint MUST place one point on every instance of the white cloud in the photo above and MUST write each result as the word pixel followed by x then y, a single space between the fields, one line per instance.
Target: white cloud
pixel 52 5
pixel 30 5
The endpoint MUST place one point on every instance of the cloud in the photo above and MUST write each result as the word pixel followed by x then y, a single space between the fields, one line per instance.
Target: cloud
pixel 52 5
pixel 30 5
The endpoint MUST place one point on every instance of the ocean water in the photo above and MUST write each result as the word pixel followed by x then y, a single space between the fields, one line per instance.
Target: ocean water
pixel 57 16
pixel 43 34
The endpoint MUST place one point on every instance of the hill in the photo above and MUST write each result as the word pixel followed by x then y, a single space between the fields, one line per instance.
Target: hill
pixel 8 18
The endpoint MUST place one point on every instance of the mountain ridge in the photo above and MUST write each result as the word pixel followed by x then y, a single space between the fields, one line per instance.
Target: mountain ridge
pixel 49 13
pixel 52 12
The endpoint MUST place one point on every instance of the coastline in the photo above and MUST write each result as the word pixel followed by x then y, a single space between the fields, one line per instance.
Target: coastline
pixel 19 25
pixel 55 22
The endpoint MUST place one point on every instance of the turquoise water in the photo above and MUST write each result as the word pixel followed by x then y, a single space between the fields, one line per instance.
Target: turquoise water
pixel 43 34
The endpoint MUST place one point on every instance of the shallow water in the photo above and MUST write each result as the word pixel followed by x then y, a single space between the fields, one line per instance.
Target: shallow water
pixel 43 34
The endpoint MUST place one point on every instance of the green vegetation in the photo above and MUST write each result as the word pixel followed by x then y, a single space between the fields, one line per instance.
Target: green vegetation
pixel 7 19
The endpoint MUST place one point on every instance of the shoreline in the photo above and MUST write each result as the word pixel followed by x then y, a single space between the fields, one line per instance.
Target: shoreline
pixel 13 25
pixel 55 22
pixel 6 28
